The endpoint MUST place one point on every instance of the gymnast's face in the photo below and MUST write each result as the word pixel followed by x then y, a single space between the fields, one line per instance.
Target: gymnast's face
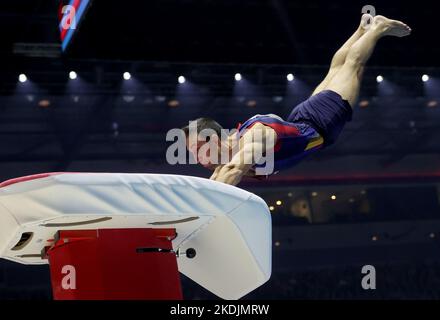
pixel 205 152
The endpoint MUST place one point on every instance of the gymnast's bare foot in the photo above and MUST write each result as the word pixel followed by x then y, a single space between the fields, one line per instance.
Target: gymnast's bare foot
pixel 388 27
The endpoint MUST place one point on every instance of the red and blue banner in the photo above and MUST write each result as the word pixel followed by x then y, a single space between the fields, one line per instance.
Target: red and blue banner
pixel 70 14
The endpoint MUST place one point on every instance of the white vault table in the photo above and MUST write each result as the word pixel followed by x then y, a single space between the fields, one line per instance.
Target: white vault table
pixel 229 228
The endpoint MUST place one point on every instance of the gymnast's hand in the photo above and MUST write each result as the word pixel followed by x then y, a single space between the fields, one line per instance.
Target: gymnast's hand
pixel 216 171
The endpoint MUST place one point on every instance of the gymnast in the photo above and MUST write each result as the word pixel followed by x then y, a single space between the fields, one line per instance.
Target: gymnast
pixel 312 125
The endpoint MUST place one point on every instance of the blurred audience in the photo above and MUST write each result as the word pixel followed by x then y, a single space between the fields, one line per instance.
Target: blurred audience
pixel 394 281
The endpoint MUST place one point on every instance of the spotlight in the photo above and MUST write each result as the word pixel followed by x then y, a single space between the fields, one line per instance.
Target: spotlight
pixel 364 103
pixel 238 77
pixel 72 75
pixel 126 76
pixel 314 194
pixel 173 103
pixel 432 104
pixel 251 103
pixel 379 79
pixel 128 98
pixel 22 78
pixel 277 243
pixel 181 79
pixel 271 208
pixel 279 202
pixel 290 77
pixel 44 103
pixel 425 78
pixel 333 197
pixel 277 99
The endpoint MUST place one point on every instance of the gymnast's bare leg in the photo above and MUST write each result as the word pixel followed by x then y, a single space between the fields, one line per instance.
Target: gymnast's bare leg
pixel 347 79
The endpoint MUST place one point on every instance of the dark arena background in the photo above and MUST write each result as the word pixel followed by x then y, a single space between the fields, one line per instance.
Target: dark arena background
pixel 104 98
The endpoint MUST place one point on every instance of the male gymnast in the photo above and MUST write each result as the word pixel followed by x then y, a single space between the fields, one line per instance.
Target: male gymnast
pixel 312 125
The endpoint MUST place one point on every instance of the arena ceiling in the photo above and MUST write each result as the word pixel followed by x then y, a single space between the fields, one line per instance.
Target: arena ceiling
pixel 250 31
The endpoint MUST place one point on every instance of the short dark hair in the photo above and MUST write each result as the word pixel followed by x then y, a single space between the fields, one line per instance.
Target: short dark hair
pixel 205 123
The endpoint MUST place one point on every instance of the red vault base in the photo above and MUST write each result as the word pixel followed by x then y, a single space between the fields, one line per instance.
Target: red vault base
pixel 114 264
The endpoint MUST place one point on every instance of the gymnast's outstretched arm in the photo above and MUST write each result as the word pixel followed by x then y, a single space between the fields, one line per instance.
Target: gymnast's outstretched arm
pixel 253 145
pixel 236 169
